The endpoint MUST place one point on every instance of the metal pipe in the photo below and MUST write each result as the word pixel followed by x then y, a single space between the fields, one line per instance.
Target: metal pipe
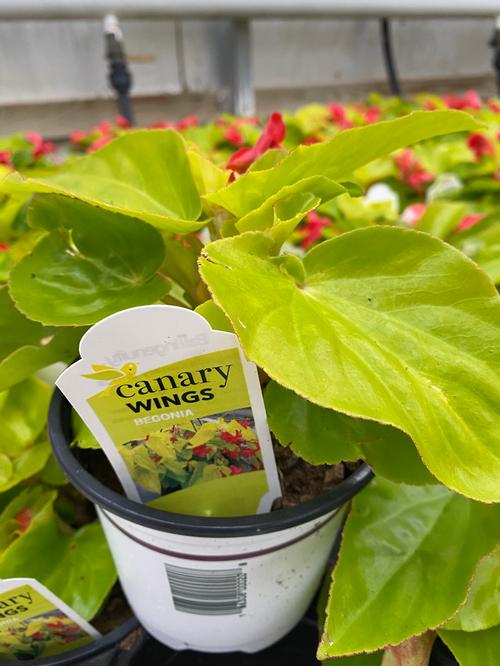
pixel 126 9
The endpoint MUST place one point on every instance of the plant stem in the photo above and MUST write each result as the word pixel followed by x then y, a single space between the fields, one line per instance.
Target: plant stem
pixel 415 651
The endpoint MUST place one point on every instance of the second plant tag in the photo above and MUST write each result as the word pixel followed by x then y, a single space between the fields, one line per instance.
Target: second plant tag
pixel 34 623
pixel 178 410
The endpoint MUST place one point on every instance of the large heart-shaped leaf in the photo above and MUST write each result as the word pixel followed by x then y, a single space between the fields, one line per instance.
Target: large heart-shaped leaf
pixel 144 174
pixel 337 159
pixel 407 556
pixel 383 323
pixel 476 648
pixel 26 346
pixel 91 264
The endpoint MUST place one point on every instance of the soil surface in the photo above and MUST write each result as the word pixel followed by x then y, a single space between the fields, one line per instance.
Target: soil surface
pixel 301 481
pixel 115 611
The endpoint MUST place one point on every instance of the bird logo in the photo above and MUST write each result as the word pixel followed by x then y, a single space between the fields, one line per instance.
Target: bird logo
pixel 115 376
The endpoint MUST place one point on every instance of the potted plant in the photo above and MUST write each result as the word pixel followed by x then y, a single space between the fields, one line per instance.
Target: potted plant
pixel 380 345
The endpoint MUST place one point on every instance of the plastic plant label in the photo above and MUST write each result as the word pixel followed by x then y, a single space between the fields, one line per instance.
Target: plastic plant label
pixel 34 623
pixel 178 410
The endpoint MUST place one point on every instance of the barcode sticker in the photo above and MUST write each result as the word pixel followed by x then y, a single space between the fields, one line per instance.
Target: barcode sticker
pixel 207 591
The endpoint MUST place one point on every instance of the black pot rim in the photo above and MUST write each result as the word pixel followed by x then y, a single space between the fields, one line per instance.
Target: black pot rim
pixel 83 654
pixel 59 423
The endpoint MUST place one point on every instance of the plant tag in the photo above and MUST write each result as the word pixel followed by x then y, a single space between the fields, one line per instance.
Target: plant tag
pixel 178 410
pixel 35 623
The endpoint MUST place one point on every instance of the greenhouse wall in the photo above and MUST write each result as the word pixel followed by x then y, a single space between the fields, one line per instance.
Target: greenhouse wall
pixel 181 67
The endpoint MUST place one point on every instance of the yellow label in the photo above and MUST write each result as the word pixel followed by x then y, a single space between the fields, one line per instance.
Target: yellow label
pixel 32 627
pixel 181 424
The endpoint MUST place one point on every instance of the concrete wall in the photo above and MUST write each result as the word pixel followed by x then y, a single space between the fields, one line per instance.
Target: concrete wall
pixel 53 74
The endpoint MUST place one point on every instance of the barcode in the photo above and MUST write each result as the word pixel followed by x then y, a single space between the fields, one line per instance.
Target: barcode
pixel 207 592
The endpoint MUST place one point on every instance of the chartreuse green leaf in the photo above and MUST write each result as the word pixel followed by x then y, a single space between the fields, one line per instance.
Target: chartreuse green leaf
pixel 441 218
pixel 301 197
pixel 476 648
pixel 407 556
pixel 336 159
pixel 82 437
pixel 76 566
pixel 23 414
pixel 26 346
pixel 143 174
pixel 482 608
pixel 29 462
pixel 314 433
pixel 324 436
pixel 215 316
pixel 181 255
pixel 91 264
pixel 387 324
pixel 481 242
pixel 374 659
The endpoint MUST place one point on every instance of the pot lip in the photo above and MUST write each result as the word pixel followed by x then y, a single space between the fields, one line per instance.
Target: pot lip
pixel 82 654
pixel 59 425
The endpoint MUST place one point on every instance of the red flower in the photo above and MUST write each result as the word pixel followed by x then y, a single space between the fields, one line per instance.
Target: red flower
pixel 4 247
pixel 38 636
pixel 247 453
pixel 480 146
pixel 161 124
pixel 411 171
pixel 494 106
pixel 5 157
pixel 122 122
pixel 338 115
pixel 202 451
pixel 232 439
pixel 235 469
pixel 311 231
pixel 234 137
pixel 40 147
pixel 105 127
pixel 469 221
pixel 412 213
pixel 372 114
pixel 233 455
pixel 244 423
pixel 188 121
pixel 470 100
pixel 24 519
pixel 99 143
pixel 310 140
pixel 271 137
pixel 76 137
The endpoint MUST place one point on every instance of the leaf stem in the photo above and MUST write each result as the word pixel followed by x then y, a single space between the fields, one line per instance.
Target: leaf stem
pixel 416 651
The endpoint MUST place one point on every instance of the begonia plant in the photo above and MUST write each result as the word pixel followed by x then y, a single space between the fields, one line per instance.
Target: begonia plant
pixel 380 344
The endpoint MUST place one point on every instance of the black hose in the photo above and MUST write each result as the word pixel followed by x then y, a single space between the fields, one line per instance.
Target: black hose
pixel 390 64
pixel 495 45
pixel 119 75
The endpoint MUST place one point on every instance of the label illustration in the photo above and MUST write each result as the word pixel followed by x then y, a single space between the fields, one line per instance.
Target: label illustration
pixel 34 624
pixel 185 431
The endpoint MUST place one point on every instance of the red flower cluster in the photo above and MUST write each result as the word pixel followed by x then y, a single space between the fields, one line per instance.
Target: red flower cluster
pixel 480 146
pixel 470 100
pixel 411 171
pixel 271 137
pixel 338 116
pixel 40 147
pixel 312 229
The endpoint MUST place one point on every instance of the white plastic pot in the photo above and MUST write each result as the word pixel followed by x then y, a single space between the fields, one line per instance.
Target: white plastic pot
pixel 212 584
